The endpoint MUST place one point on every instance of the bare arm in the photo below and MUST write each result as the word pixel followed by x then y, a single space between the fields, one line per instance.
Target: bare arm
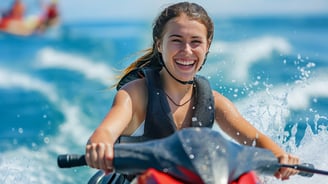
pixel 236 126
pixel 122 118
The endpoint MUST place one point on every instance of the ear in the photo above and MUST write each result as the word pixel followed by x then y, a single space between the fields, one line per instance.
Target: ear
pixel 158 46
pixel 208 45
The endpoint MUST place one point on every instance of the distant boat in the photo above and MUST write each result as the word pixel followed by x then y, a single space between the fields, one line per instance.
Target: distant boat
pixel 33 24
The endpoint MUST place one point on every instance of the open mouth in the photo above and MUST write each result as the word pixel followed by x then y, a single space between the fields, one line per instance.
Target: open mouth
pixel 185 63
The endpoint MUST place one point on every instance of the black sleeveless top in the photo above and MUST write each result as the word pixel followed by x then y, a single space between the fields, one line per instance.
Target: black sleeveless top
pixel 159 120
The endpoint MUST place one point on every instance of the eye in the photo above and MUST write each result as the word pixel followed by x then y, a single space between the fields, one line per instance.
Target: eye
pixel 195 43
pixel 176 40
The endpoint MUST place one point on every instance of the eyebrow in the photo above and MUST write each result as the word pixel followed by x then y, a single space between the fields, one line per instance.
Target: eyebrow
pixel 176 35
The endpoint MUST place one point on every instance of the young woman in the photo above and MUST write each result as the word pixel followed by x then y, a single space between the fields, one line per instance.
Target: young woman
pixel 167 95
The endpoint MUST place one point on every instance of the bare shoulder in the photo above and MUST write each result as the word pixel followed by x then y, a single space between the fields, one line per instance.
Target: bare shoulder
pixel 219 97
pixel 135 88
pixel 222 103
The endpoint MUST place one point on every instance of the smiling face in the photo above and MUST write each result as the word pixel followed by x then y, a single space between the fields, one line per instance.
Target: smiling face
pixel 183 46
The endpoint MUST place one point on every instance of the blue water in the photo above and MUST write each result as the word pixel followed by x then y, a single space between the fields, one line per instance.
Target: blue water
pixel 55 88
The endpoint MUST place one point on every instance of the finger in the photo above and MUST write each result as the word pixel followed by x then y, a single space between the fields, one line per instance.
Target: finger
pixel 283 172
pixel 108 158
pixel 294 160
pixel 277 175
pixel 91 155
pixel 87 154
pixel 283 159
pixel 287 172
pixel 101 154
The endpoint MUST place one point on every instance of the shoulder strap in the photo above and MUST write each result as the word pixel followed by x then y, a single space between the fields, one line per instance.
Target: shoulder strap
pixel 132 75
pixel 203 115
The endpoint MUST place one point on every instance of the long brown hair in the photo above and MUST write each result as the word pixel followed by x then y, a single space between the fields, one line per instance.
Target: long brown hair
pixel 151 57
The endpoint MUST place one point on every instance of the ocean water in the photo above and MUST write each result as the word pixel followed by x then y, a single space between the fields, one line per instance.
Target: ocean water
pixel 55 88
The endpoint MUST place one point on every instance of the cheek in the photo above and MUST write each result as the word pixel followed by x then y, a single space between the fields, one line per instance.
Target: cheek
pixel 202 53
pixel 170 50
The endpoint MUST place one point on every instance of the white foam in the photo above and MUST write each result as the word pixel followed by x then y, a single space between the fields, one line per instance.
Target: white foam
pixel 298 95
pixel 302 94
pixel 23 165
pixel 50 58
pixel 240 56
pixel 13 79
pixel 269 111
pixel 312 150
pixel 272 106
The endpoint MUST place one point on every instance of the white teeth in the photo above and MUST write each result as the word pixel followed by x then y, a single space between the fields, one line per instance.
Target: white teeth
pixel 184 62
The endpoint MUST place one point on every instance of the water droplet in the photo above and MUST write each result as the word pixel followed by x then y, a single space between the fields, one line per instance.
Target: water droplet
pixel 210 107
pixel 193 119
pixel 191 156
pixel 238 133
pixel 46 140
pixel 33 145
pixel 254 143
pixel 315 100
pixel 157 93
pixel 20 130
pixel 41 133
pixel 44 116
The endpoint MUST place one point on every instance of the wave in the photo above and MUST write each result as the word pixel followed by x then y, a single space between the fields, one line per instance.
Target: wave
pixel 270 108
pixel 238 57
pixel 12 79
pixel 21 164
pixel 299 95
pixel 312 144
pixel 50 58
pixel 303 94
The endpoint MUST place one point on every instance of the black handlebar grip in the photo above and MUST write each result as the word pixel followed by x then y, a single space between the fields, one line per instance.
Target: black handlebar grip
pixel 304 167
pixel 71 160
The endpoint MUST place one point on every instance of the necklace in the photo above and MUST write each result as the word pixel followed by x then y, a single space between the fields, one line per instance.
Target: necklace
pixel 179 105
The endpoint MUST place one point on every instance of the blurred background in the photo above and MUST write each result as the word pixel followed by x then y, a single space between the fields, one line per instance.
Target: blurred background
pixel 267 56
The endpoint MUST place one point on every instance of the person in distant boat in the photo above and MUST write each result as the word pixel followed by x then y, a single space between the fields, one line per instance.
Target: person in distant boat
pixel 160 92
pixel 15 13
pixel 50 17
pixel 14 21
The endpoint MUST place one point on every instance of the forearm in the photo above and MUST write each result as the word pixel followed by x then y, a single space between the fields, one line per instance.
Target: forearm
pixel 265 142
pixel 101 135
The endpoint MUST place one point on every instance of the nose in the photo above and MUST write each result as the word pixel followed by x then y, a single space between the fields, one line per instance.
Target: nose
pixel 187 48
